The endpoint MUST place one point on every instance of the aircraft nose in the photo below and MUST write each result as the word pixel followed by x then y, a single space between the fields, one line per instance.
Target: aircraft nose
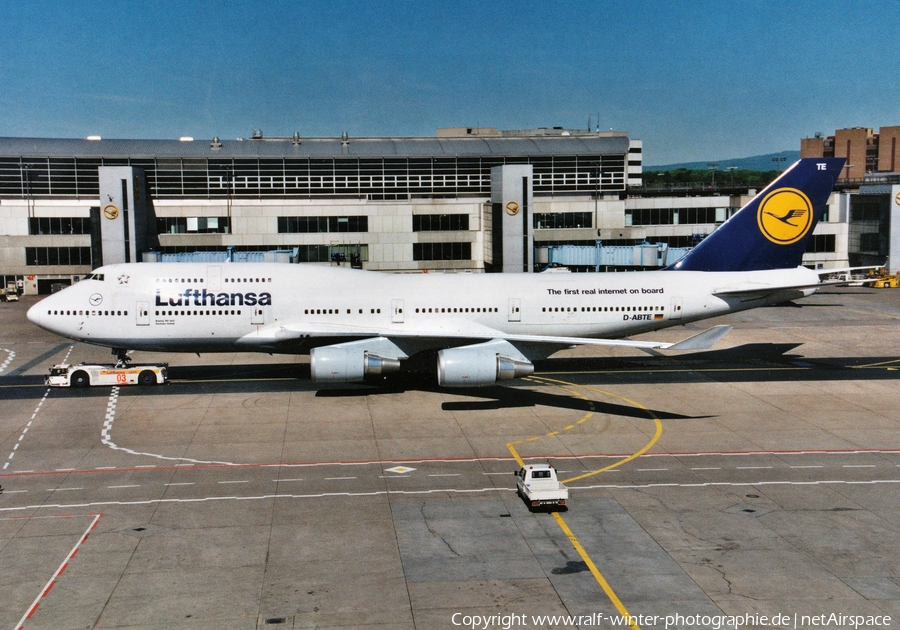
pixel 34 314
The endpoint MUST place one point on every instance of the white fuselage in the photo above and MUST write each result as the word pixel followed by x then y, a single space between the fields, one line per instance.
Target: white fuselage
pixel 198 307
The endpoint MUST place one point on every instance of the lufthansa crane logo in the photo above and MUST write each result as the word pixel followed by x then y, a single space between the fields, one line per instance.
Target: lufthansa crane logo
pixel 110 211
pixel 512 208
pixel 785 216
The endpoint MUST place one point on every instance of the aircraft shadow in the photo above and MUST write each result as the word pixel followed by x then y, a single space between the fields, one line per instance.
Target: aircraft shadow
pixel 758 362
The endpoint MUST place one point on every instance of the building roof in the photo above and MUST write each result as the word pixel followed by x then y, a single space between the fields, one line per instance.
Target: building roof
pixel 318 147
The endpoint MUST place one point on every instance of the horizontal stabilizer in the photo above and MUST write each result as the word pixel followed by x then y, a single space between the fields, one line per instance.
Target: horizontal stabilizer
pixel 702 341
pixel 762 292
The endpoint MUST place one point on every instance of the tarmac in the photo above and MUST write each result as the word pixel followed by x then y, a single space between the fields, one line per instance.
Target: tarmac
pixel 754 485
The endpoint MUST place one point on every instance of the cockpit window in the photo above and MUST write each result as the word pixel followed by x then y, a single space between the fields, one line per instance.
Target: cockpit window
pixel 95 276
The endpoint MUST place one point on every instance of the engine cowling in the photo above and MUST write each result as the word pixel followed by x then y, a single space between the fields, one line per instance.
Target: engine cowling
pixel 335 364
pixel 478 366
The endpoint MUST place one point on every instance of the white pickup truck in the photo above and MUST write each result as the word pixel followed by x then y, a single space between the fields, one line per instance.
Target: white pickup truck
pixel 539 485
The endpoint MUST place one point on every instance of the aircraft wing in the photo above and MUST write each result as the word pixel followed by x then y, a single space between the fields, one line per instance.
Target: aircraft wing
pixel 460 332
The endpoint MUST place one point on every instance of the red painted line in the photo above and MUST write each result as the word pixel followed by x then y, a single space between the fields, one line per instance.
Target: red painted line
pixel 49 588
pixel 62 567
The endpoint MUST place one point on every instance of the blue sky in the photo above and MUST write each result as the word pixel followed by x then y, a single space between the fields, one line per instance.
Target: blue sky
pixel 694 80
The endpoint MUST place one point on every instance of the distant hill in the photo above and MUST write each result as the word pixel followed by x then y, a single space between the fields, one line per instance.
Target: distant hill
pixel 755 163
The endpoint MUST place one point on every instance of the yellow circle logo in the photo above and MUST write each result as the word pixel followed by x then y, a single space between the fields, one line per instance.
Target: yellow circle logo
pixel 512 208
pixel 897 198
pixel 785 216
pixel 110 211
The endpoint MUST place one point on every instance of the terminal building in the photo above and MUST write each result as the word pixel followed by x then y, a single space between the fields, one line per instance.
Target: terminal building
pixel 872 212
pixel 466 200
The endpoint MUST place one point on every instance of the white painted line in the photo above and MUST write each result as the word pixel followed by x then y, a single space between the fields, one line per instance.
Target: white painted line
pixel 245 481
pixel 745 484
pixel 62 489
pixel 265 497
pixel 280 480
pixel 133 486
pixel 709 468
pixel 753 467
pixel 107 440
pixel 191 483
pixel 859 466
pixel 3 366
pixel 736 484
pixel 650 469
pixel 807 466
pixel 338 478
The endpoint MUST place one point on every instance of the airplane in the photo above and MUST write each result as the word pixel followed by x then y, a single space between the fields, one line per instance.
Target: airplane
pixel 484 328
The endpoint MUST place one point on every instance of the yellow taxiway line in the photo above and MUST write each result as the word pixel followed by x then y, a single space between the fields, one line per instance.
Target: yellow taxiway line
pixel 598 576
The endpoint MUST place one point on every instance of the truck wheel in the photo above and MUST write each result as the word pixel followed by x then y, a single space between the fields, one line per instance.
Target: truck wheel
pixel 146 378
pixel 80 379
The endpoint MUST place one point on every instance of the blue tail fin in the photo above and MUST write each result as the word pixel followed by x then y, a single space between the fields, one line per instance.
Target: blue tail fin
pixel 772 231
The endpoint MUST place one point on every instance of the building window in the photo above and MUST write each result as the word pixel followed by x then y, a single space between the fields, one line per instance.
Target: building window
pixel 54 256
pixel 869 225
pixel 377 178
pixel 319 225
pixel 821 243
pixel 442 251
pixel 440 222
pixel 694 216
pixel 59 225
pixel 192 225
pixel 650 216
pixel 562 220
pixel 332 253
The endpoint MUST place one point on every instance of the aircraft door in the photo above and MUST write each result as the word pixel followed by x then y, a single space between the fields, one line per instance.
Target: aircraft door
pixel 397 311
pixel 214 278
pixel 258 316
pixel 676 308
pixel 515 310
pixel 143 313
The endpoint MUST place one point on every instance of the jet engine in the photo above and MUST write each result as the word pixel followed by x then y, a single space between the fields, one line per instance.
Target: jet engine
pixel 338 364
pixel 481 365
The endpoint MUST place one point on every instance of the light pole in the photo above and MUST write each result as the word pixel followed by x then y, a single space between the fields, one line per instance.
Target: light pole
pixel 713 166
pixel 847 176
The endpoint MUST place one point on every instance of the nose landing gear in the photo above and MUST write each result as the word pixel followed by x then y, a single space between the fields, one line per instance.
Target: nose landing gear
pixel 122 357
